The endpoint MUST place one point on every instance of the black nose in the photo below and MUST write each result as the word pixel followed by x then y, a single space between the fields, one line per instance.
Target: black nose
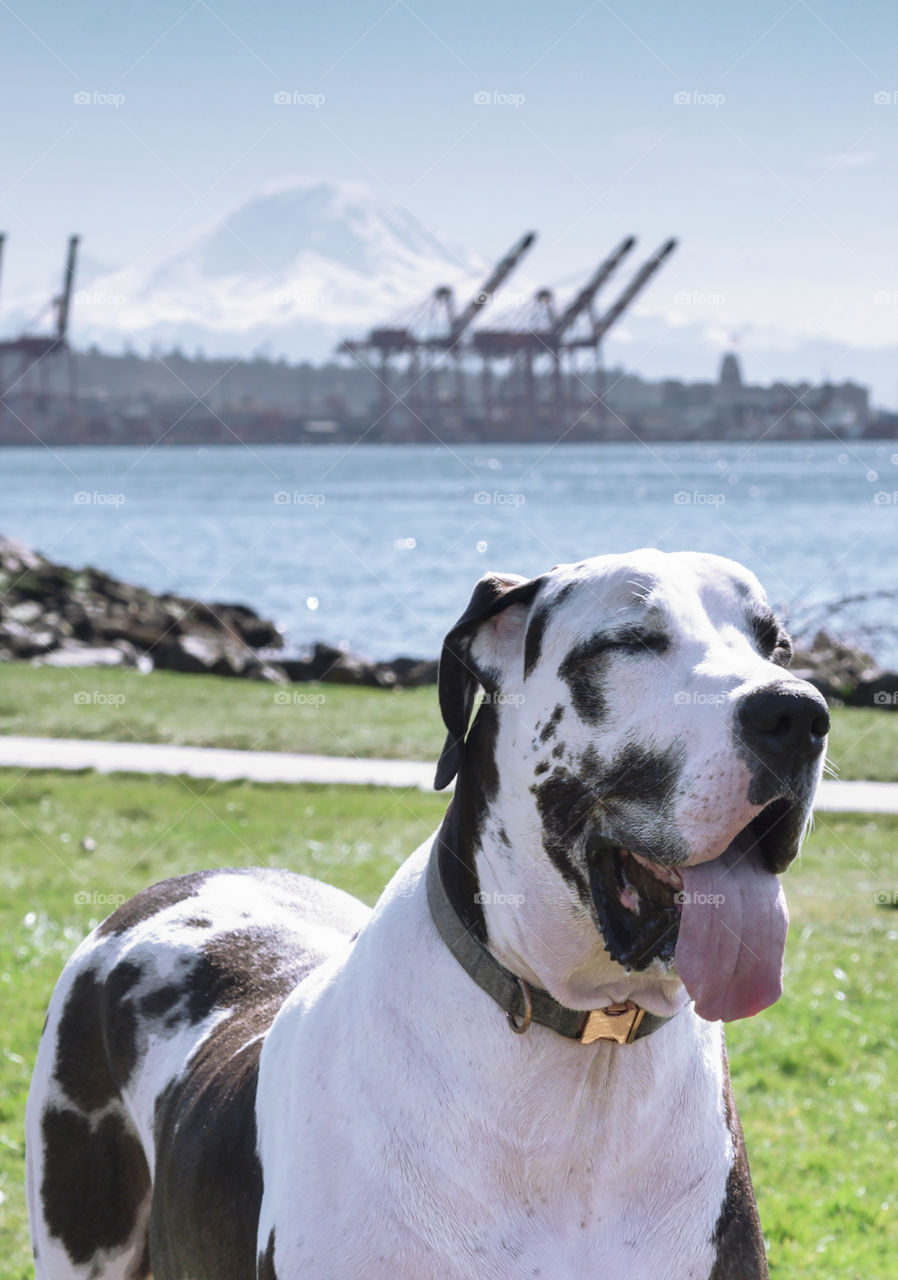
pixel 784 728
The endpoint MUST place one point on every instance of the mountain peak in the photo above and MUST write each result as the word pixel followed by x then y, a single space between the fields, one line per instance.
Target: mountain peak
pixel 303 256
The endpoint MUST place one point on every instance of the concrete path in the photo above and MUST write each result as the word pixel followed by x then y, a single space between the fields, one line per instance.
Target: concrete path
pixel 210 762
pixel 280 766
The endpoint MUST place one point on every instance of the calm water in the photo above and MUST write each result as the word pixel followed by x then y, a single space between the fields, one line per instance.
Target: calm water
pixel 378 546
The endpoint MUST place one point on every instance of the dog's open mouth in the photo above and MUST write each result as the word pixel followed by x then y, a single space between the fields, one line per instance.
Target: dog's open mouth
pixel 722 923
pixel 641 881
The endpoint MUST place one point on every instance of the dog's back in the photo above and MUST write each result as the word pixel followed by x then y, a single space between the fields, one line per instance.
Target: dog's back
pixel 146 1074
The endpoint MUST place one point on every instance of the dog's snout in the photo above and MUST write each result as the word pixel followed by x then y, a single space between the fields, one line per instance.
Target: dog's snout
pixel 784 727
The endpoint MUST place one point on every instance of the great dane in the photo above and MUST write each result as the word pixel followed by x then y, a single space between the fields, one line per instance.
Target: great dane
pixel 514 1066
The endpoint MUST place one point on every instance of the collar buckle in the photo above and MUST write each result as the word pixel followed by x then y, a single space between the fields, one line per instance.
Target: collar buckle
pixel 618 1023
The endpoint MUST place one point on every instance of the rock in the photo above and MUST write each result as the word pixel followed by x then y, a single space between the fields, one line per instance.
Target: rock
pixel 409 673
pixel 26 642
pixel 271 673
pixel 92 618
pixel 833 666
pixel 83 655
pixel 297 670
pixel 15 557
pixel 57 616
pixel 195 654
pixel 210 654
pixel 27 612
pixel 332 665
pixel 339 666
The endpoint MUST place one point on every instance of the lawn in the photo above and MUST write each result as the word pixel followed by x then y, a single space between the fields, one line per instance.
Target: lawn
pixel 814 1075
pixel 326 719
pixel 212 711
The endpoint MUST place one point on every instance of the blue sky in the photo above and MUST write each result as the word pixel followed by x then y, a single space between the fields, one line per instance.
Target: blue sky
pixel 778 173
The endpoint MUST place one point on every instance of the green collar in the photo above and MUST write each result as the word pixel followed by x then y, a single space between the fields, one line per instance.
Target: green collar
pixel 619 1023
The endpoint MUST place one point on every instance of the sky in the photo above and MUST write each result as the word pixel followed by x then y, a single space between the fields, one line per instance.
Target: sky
pixel 762 135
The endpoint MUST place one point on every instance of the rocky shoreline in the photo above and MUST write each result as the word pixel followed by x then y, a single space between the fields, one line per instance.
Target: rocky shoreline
pixel 52 615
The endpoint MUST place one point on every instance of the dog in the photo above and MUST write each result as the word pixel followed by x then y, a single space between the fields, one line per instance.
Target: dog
pixel 514 1065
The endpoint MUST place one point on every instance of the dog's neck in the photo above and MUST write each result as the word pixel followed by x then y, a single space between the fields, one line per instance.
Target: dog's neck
pixel 502 885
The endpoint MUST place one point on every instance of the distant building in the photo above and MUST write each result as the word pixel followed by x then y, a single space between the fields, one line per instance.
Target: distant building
pixel 133 399
pixel 730 372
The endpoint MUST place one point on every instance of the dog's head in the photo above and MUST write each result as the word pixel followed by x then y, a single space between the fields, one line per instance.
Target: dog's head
pixel 641 762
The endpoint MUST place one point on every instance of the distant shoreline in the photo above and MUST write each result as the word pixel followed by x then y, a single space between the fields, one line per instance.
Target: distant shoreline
pixel 62 440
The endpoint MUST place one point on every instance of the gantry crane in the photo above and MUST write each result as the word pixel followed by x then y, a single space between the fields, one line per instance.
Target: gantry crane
pixel 601 324
pixel 537 330
pixel 29 352
pixel 542 333
pixel 580 303
pixel 384 343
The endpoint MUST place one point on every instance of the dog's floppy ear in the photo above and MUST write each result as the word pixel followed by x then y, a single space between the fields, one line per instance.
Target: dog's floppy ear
pixel 460 672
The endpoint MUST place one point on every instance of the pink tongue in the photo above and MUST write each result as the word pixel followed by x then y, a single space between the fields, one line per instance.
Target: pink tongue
pixel 732 934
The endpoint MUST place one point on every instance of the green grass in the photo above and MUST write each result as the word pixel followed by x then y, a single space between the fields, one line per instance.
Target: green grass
pixel 814 1076
pixel 212 711
pixel 322 719
pixel 864 744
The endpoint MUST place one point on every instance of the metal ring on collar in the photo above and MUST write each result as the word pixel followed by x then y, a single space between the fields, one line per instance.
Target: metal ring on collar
pixel 520 1027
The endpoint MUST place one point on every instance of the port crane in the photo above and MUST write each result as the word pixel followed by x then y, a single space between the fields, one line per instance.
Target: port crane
pixel 443 330
pixel 29 353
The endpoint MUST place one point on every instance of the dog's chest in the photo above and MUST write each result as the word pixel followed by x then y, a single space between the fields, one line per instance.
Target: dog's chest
pixel 480 1232
pixel 451 1171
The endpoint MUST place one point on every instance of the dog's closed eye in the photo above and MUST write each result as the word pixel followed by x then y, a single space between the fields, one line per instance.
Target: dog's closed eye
pixel 637 640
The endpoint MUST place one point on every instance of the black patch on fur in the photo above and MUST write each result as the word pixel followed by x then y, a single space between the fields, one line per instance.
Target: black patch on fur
pixel 121 1022
pixel 265 1268
pixel 533 641
pixel 196 922
pixel 97 1022
pixel 587 663
pixel 565 804
pixel 208 1177
pixel 737 1236
pixel 541 767
pixel 462 827
pixel 550 728
pixel 571 808
pixel 150 902
pixel 558 751
pixel 582 671
pixel 227 971
pixel 158 1002
pixel 637 773
pixel 94 1182
pixel 81 1067
pixel 536 630
pixel 503 837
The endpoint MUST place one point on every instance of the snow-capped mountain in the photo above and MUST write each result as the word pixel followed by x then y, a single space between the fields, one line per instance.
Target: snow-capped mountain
pixel 293 269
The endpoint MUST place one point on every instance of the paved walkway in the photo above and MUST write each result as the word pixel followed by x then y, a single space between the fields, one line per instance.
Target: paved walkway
pixel 281 766
pixel 210 762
